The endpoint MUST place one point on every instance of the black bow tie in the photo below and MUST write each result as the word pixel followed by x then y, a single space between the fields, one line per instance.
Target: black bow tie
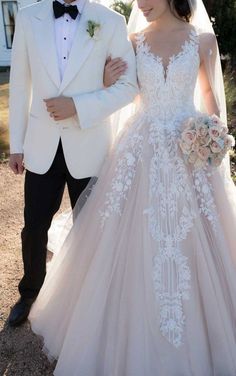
pixel 60 9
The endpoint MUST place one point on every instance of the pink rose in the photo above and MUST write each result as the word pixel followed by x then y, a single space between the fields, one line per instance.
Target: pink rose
pixel 203 153
pixel 196 146
pixel 192 157
pixel 229 142
pixel 204 141
pixel 202 130
pixel 224 130
pixel 186 148
pixel 201 122
pixel 215 132
pixel 199 163
pixel 217 121
pixel 215 148
pixel 189 136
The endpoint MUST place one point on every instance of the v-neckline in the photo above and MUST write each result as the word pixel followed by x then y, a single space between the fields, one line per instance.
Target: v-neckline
pixel 172 58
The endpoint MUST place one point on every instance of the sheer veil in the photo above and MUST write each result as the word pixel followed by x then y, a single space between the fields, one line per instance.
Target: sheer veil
pixel 211 58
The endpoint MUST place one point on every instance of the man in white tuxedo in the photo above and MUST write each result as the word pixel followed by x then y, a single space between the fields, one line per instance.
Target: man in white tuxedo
pixel 59 114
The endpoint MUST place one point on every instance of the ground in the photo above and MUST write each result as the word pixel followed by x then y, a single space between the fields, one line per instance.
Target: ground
pixel 20 353
pixel 20 349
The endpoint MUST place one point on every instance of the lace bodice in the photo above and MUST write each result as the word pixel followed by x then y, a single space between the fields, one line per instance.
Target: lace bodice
pixel 168 93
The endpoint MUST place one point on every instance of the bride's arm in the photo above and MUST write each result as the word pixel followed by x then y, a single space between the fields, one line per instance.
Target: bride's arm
pixel 208 54
pixel 115 68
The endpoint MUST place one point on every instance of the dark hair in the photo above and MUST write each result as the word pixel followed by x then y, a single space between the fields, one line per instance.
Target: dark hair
pixel 181 9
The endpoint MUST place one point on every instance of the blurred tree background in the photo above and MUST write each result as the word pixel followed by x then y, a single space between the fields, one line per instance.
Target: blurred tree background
pixel 123 8
pixel 223 16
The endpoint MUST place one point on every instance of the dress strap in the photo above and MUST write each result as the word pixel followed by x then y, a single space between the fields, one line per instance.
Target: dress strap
pixel 139 39
pixel 194 37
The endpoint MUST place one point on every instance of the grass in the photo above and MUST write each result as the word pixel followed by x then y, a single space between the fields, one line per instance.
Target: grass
pixel 4 137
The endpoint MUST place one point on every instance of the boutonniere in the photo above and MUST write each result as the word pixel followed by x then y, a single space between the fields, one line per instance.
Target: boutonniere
pixel 93 29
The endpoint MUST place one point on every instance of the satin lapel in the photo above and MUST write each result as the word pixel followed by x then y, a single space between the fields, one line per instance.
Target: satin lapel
pixel 81 48
pixel 44 32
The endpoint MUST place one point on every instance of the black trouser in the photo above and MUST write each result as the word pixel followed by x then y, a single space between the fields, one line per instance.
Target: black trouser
pixel 43 196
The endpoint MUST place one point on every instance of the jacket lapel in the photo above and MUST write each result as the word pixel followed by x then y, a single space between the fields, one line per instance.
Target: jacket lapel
pixel 81 47
pixel 44 32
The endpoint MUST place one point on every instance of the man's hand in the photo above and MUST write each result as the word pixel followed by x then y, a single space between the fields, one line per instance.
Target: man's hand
pixel 60 108
pixel 16 163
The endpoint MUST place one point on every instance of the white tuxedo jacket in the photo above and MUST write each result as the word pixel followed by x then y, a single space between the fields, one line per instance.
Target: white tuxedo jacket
pixel 35 76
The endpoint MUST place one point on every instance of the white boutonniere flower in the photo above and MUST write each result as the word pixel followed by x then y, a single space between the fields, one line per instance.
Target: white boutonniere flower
pixel 93 29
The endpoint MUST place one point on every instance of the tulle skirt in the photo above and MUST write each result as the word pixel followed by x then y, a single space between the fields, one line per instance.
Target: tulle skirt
pixel 145 282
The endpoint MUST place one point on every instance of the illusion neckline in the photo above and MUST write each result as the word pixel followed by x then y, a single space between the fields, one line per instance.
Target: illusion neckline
pixel 175 56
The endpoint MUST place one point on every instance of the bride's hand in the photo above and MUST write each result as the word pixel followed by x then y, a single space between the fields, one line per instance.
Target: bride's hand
pixel 114 68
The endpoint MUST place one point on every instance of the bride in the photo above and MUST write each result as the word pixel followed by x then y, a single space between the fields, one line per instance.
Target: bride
pixel 145 282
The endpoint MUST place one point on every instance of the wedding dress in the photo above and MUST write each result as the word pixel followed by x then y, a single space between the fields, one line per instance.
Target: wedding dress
pixel 145 283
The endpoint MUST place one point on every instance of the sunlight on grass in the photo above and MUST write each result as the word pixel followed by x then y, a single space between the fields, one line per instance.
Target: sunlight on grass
pixel 4 138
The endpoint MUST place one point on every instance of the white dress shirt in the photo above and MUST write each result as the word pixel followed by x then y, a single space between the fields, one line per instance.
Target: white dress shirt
pixel 65 29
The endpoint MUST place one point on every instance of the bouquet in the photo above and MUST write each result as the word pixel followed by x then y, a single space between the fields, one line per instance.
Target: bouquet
pixel 205 141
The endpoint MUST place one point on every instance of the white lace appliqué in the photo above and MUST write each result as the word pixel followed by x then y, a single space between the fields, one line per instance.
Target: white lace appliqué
pixel 170 217
pixel 166 101
pixel 204 193
pixel 130 154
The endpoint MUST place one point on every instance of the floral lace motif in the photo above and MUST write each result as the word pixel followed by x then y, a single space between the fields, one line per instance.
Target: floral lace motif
pixel 167 93
pixel 171 263
pixel 130 154
pixel 166 100
pixel 168 96
pixel 170 217
pixel 204 193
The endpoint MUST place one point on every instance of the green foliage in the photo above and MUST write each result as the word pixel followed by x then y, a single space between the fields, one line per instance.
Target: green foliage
pixel 3 158
pixel 92 27
pixel 223 16
pixel 3 141
pixel 123 8
pixel 230 92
